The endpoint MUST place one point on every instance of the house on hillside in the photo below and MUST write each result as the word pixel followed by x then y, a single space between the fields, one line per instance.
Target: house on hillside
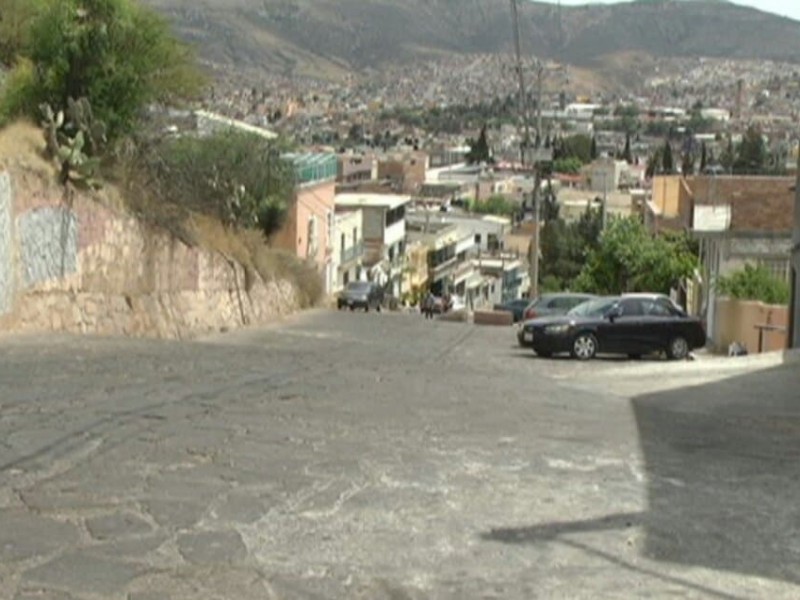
pixel 405 171
pixel 308 230
pixel 737 220
pixel 348 248
pixel 449 252
pixel 384 235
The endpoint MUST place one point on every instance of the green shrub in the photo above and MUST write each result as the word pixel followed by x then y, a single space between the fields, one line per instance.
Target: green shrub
pixel 494 205
pixel 755 283
pixel 16 17
pixel 18 92
pixel 236 177
pixel 115 53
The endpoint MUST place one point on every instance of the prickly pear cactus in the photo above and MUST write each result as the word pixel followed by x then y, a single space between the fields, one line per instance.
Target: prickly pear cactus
pixel 75 143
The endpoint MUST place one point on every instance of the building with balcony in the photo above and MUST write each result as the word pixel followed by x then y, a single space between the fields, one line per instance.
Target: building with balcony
pixel 384 235
pixel 348 247
pixel 509 274
pixel 449 249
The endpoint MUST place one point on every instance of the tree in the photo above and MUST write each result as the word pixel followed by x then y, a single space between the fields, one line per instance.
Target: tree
pixel 117 54
pixel 494 205
pixel 655 163
pixel 752 157
pixel 728 156
pixel 667 162
pixel 629 259
pixel 576 146
pixel 565 247
pixel 479 150
pixel 567 165
pixel 627 156
pixel 703 157
pixel 687 164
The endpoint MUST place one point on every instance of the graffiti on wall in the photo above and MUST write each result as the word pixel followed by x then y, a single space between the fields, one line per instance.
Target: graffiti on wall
pixel 6 273
pixel 49 244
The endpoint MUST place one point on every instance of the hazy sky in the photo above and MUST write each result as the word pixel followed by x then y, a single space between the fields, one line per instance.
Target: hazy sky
pixel 786 8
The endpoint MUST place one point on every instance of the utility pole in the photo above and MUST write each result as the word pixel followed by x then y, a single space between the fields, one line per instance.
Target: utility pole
pixel 794 305
pixel 525 116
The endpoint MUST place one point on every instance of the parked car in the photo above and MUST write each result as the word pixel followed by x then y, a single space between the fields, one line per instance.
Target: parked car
pixel 635 325
pixel 516 307
pixel 550 305
pixel 361 294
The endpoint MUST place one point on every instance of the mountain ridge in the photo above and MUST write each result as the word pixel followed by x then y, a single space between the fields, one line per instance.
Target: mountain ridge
pixel 334 37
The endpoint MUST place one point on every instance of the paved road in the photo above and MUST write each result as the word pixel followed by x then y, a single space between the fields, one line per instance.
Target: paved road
pixel 383 457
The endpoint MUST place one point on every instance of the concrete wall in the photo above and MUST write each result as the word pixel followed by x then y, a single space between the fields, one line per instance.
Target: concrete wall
pixel 81 266
pixel 736 321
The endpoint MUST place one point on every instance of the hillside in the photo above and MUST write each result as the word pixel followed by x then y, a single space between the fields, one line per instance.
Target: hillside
pixel 331 37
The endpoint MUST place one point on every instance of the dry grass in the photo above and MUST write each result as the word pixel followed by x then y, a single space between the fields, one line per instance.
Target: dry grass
pixel 249 249
pixel 22 145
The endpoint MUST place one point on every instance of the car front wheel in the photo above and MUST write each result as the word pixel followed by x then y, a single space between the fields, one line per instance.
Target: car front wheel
pixel 678 348
pixel 584 346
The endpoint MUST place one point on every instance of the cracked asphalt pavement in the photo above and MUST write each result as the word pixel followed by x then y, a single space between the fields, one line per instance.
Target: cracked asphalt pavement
pixel 342 455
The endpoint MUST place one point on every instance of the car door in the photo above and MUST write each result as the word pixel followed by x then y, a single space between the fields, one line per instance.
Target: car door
pixel 661 323
pixel 624 334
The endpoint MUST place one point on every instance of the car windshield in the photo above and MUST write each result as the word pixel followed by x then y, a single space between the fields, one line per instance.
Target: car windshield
pixel 358 286
pixel 593 308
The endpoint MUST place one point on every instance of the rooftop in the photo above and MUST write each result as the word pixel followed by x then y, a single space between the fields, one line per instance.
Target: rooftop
pixel 211 121
pixel 388 201
pixel 313 167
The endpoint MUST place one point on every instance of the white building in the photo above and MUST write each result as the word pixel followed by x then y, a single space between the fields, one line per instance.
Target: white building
pixel 384 234
pixel 347 248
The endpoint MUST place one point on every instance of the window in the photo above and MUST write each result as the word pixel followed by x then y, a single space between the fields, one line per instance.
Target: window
pixel 477 239
pixel 312 236
pixel 632 307
pixel 344 244
pixel 657 308
pixel 355 236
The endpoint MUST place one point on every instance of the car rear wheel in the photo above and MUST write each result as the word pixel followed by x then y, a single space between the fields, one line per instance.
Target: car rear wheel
pixel 584 346
pixel 678 348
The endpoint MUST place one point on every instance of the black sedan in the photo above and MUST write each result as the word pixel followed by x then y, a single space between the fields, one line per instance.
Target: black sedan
pixel 360 294
pixel 634 325
pixel 515 307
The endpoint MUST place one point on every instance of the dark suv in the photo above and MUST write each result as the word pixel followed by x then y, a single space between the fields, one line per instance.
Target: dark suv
pixel 361 294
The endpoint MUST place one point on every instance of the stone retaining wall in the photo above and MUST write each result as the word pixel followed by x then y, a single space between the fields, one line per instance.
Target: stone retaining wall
pixel 80 266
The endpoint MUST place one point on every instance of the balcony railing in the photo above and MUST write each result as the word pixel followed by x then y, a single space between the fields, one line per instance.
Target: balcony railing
pixel 353 253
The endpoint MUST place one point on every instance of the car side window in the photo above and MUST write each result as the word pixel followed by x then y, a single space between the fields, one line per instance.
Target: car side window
pixel 657 308
pixel 632 307
pixel 573 302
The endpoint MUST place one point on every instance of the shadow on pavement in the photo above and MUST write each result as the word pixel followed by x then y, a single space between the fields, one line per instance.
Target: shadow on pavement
pixel 722 466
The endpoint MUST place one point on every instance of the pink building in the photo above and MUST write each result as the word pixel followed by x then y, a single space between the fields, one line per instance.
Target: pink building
pixel 308 231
